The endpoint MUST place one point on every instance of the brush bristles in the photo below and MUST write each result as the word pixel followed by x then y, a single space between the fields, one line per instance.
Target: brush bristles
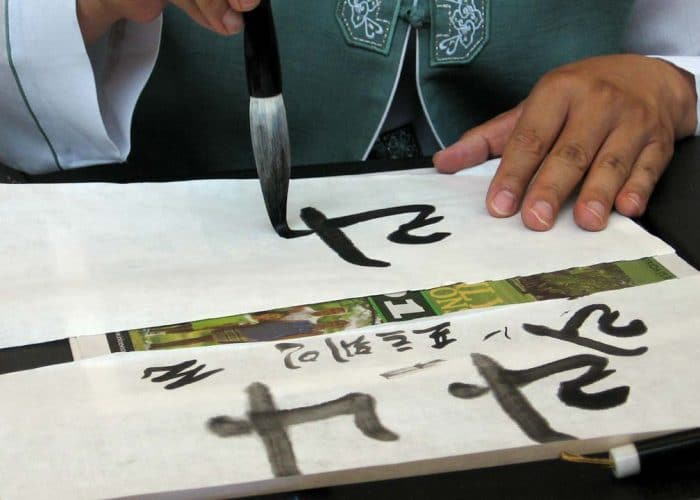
pixel 270 138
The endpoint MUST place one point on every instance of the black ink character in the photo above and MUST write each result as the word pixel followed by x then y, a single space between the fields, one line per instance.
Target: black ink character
pixel 399 341
pixel 439 335
pixel 179 372
pixel 505 386
pixel 352 348
pixel 570 331
pixel 345 349
pixel 305 357
pixel 271 423
pixel 330 230
pixel 491 334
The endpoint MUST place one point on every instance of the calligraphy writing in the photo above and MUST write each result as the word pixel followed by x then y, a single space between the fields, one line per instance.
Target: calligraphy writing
pixel 180 373
pixel 398 340
pixel 341 350
pixel 439 335
pixel 570 332
pixel 331 230
pixel 349 348
pixel 496 332
pixel 505 386
pixel 271 423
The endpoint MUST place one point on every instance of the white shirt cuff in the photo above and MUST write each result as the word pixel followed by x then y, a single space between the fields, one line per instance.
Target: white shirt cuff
pixel 85 116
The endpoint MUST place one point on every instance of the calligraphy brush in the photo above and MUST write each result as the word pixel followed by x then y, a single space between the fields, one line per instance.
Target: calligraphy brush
pixel 268 118
pixel 655 454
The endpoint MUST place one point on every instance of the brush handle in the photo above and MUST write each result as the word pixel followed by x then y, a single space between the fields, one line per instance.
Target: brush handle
pixel 262 61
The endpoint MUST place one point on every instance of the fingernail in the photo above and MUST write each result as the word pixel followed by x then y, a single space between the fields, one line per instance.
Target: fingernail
pixel 503 203
pixel 543 213
pixel 634 199
pixel 597 209
pixel 232 21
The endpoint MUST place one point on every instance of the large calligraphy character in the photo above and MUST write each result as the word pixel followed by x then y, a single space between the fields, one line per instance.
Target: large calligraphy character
pixel 271 423
pixel 505 386
pixel 331 233
pixel 570 331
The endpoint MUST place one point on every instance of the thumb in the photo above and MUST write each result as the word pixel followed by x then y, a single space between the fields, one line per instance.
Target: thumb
pixel 478 144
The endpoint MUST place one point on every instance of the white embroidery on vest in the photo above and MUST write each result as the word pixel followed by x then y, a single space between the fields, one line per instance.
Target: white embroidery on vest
pixel 362 10
pixel 460 29
pixel 368 23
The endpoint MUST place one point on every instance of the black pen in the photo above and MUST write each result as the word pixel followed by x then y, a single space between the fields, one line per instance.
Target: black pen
pixel 659 453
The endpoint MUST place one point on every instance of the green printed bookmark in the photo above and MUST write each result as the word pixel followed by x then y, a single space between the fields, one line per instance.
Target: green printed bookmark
pixel 463 296
pixel 334 316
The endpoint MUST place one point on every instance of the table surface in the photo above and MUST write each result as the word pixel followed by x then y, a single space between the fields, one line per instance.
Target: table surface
pixel 671 215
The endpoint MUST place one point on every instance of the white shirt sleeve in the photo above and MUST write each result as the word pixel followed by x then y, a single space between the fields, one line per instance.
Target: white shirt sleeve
pixel 670 30
pixel 58 111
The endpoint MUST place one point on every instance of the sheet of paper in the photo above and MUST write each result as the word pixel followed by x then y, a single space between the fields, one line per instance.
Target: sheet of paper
pixel 480 389
pixel 90 258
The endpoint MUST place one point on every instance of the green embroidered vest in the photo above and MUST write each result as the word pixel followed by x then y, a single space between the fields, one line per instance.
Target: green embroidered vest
pixel 340 64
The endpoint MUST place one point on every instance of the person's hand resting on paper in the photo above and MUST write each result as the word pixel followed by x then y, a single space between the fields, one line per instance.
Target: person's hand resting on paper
pixel 607 122
pixel 221 16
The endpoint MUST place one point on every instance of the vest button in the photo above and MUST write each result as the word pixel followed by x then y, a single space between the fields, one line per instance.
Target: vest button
pixel 416 15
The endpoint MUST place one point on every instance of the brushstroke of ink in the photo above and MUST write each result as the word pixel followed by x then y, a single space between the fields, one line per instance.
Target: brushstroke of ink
pixel 439 335
pixel 330 230
pixel 496 332
pixel 398 339
pixel 306 357
pixel 271 423
pixel 179 372
pixel 505 386
pixel 359 346
pixel 570 331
